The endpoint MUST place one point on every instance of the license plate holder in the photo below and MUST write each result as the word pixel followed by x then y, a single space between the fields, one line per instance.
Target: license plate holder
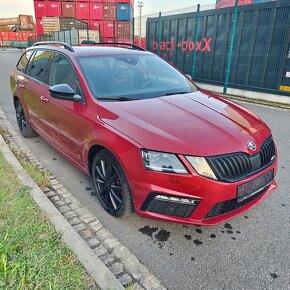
pixel 252 187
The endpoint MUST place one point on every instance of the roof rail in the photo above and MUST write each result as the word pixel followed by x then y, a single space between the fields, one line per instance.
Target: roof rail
pixel 65 45
pixel 136 47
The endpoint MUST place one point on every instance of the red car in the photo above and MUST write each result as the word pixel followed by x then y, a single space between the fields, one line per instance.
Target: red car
pixel 151 140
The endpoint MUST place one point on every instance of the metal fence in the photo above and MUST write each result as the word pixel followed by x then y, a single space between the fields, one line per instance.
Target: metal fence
pixel 244 47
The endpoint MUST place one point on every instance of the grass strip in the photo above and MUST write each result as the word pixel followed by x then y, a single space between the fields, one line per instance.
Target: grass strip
pixel 32 254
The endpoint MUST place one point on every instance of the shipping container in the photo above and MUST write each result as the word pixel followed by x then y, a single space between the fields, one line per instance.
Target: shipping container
pixel 53 8
pixel 108 29
pixel 26 22
pixel 40 9
pixel 52 24
pixel 261 1
pixel 110 11
pixel 261 57
pixel 109 40
pixel 82 10
pixel 68 9
pixel 76 37
pixel 96 11
pixel 231 3
pixel 39 26
pixel 124 29
pixel 96 25
pixel 124 12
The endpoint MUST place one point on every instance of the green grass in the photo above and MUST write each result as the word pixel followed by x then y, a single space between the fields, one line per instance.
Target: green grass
pixel 40 178
pixel 32 254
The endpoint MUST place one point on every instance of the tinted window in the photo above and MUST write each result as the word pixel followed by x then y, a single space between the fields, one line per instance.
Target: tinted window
pixel 62 72
pixel 137 76
pixel 38 65
pixel 21 66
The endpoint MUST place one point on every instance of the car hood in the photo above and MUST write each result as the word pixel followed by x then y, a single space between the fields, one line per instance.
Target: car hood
pixel 200 124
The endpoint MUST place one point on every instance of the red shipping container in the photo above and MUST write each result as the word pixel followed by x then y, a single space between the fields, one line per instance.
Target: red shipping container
pixel 108 30
pixel 108 39
pixel 82 10
pixel 96 1
pixel 4 35
pixel 125 40
pixel 96 11
pixel 53 8
pixel 110 11
pixel 39 9
pixel 68 9
pixel 96 25
pixel 39 26
pixel 110 1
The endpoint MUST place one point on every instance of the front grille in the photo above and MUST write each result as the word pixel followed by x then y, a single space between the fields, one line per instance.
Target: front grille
pixel 238 166
pixel 230 205
pixel 159 206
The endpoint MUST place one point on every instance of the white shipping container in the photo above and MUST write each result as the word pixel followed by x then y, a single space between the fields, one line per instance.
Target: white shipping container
pixel 75 37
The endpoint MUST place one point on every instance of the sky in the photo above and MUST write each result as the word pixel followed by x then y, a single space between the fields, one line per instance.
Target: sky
pixel 12 8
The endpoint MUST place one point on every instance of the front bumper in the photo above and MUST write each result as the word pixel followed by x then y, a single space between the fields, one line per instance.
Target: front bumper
pixel 216 200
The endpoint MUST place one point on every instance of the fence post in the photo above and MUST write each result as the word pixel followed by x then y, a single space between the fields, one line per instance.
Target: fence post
pixel 133 38
pixel 228 71
pixel 159 33
pixel 195 40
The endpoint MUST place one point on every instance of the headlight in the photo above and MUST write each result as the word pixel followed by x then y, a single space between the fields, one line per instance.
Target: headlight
pixel 162 162
pixel 201 166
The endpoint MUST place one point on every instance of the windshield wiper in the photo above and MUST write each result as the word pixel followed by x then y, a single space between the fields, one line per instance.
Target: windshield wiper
pixel 177 93
pixel 117 99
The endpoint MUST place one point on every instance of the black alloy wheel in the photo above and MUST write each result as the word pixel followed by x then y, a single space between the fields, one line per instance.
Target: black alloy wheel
pixel 23 125
pixel 111 185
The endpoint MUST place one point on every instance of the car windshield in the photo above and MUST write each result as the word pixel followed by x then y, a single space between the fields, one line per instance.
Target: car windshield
pixel 131 77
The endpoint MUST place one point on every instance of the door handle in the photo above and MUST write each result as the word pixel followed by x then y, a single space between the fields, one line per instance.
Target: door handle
pixel 44 99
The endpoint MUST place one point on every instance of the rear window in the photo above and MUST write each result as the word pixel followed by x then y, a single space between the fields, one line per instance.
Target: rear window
pixel 21 66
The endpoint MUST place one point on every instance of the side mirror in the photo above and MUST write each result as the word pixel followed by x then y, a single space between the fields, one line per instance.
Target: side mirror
pixel 64 92
pixel 188 76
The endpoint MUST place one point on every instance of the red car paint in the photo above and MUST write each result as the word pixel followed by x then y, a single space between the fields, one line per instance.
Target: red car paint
pixel 198 124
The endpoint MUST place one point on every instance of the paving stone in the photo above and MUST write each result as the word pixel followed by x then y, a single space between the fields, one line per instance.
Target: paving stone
pixel 66 195
pixel 111 242
pixel 125 280
pixel 59 203
pixel 74 221
pixel 51 193
pixel 86 234
pixel 55 198
pixel 96 225
pixel 107 259
pixel 68 200
pixel 88 218
pixel 103 234
pixel 64 209
pixel 116 268
pixel 93 242
pixel 100 250
pixel 53 182
pixel 136 286
pixel 79 227
pixel 56 186
pixel 70 214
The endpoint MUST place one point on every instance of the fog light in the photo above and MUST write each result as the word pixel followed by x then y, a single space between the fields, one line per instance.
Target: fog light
pixel 177 199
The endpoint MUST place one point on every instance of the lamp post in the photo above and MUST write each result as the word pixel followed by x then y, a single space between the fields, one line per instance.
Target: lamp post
pixel 140 5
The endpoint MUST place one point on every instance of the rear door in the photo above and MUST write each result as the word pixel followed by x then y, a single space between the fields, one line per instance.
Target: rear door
pixel 35 93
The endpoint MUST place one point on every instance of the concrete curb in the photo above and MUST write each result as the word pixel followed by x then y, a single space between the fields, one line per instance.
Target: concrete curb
pixel 93 265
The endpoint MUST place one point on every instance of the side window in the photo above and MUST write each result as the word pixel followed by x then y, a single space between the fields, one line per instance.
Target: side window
pixel 62 72
pixel 38 65
pixel 21 66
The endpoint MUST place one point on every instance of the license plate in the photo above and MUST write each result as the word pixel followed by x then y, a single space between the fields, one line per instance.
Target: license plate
pixel 254 186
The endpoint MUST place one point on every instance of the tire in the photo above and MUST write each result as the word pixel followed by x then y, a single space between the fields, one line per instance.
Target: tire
pixel 111 185
pixel 23 125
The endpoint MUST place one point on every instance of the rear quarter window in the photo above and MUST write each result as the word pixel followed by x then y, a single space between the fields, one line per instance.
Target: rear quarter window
pixel 22 63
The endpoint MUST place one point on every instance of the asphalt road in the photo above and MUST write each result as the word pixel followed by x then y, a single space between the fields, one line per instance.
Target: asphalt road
pixel 251 251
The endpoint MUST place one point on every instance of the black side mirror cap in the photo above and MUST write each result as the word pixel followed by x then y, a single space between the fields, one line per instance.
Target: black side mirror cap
pixel 64 92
